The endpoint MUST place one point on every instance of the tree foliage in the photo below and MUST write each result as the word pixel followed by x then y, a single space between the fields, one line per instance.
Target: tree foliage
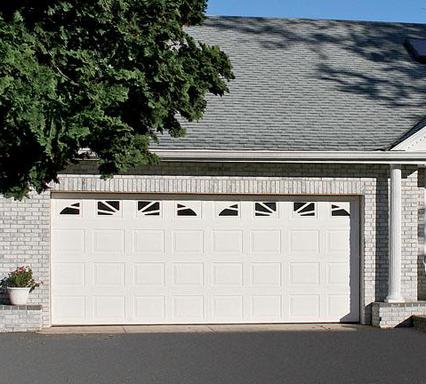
pixel 104 75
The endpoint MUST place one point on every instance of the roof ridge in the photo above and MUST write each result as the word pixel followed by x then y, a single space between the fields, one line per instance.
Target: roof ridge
pixel 319 20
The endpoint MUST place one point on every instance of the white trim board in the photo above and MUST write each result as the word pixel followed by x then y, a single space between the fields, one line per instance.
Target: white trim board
pixel 349 157
pixel 416 142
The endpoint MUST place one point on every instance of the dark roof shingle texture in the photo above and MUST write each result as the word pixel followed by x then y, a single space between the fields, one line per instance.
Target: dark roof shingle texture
pixel 310 85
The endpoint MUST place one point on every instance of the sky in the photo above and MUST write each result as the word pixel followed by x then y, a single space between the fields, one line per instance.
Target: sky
pixel 375 10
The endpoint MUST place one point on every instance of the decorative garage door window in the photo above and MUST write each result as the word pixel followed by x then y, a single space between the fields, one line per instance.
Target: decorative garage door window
pixel 108 208
pixel 149 208
pixel 72 209
pixel 188 209
pixel 304 209
pixel 339 210
pixel 265 209
pixel 231 210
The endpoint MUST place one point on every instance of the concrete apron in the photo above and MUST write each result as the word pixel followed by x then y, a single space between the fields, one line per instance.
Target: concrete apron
pixel 124 329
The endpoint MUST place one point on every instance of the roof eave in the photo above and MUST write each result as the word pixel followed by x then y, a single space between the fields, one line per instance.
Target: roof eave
pixel 347 157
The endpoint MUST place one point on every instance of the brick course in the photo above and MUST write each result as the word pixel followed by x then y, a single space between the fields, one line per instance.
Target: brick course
pixel 22 318
pixel 391 315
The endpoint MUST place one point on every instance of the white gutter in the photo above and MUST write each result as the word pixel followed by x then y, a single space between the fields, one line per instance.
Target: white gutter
pixel 343 157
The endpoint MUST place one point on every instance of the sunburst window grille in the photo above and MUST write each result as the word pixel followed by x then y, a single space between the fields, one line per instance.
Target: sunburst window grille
pixel 265 209
pixel 72 209
pixel 183 210
pixel 304 209
pixel 149 208
pixel 108 208
pixel 232 210
pixel 338 211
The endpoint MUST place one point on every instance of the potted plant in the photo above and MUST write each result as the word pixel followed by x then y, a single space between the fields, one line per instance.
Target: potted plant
pixel 19 283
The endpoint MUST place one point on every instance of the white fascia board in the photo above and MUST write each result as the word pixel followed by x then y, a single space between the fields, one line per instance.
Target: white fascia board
pixel 343 157
pixel 415 142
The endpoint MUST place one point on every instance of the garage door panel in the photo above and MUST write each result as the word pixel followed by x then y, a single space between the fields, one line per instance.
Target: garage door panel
pixel 69 241
pixel 188 274
pixel 109 275
pixel 338 306
pixel 149 274
pixel 266 308
pixel 227 241
pixel 229 308
pixel 109 308
pixel 304 273
pixel 227 275
pixel 338 241
pixel 150 309
pixel 338 273
pixel 148 242
pixel 266 241
pixel 304 307
pixel 188 242
pixel 305 240
pixel 188 308
pixel 69 309
pixel 160 261
pixel 68 274
pixel 266 275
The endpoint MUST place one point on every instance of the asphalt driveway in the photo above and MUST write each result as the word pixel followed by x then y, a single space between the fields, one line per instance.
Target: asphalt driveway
pixel 359 355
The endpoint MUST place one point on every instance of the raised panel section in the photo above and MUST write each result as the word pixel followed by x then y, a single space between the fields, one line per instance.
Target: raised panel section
pixel 149 274
pixel 188 241
pixel 338 306
pixel 304 241
pixel 268 241
pixel 150 308
pixel 304 307
pixel 147 242
pixel 266 275
pixel 68 240
pixel 339 241
pixel 228 308
pixel 227 274
pixel 338 273
pixel 108 241
pixel 68 275
pixel 69 309
pixel 304 273
pixel 188 274
pixel 227 241
pixel 188 308
pixel 109 274
pixel 266 308
pixel 109 307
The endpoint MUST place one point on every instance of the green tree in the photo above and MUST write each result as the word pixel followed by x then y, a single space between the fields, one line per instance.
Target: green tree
pixel 104 75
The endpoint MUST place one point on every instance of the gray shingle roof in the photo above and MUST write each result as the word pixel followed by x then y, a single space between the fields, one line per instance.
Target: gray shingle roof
pixel 310 85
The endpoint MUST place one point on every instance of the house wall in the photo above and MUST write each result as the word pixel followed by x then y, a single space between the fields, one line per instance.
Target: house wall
pixel 28 237
pixel 25 240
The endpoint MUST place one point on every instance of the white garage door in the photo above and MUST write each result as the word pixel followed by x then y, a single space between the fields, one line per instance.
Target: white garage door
pixel 145 260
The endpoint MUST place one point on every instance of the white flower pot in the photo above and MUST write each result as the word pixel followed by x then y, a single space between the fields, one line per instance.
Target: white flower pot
pixel 18 296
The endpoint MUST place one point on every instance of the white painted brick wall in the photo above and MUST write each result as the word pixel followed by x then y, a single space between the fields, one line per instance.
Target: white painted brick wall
pixel 25 240
pixel 20 318
pixel 25 236
pixel 386 315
